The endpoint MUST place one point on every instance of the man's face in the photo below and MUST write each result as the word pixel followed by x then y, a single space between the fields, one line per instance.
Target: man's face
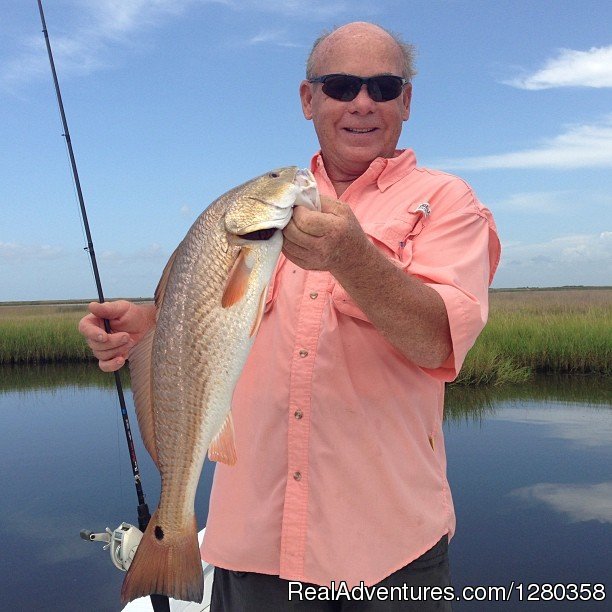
pixel 353 134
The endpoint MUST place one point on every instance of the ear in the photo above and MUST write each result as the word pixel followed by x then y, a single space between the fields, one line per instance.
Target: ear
pixel 306 98
pixel 406 99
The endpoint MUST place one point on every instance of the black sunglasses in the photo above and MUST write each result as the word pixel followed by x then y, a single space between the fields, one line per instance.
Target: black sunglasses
pixel 345 87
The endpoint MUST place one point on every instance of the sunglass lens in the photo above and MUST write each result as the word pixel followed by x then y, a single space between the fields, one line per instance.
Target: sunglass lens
pixel 342 87
pixel 384 88
pixel 375 91
pixel 345 87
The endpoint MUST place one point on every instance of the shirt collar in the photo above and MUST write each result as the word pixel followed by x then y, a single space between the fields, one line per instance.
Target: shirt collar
pixel 384 171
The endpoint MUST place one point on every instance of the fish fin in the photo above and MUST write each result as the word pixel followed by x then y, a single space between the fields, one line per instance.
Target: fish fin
pixel 160 290
pixel 237 280
pixel 223 448
pixel 260 312
pixel 140 373
pixel 168 565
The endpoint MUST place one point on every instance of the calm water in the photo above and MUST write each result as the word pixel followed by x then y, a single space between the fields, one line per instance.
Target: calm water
pixel 530 470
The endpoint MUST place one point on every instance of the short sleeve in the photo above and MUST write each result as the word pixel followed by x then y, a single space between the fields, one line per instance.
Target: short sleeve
pixel 457 255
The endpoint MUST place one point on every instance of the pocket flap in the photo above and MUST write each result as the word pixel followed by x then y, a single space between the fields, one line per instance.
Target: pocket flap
pixel 395 232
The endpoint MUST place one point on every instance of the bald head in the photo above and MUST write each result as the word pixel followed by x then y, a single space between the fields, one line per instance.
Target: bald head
pixel 361 37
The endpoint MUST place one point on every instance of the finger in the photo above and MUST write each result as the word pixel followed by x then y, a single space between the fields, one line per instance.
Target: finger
pixel 110 343
pixel 295 250
pixel 109 310
pixel 111 365
pixel 331 206
pixel 292 233
pixel 91 327
pixel 296 260
pixel 310 222
pixel 101 351
pixel 299 256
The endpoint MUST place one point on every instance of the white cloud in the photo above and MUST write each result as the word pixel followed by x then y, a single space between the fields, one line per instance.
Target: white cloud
pixel 579 502
pixel 592 68
pixel 279 38
pixel 127 15
pixel 186 211
pixel 537 202
pixel 315 9
pixel 13 252
pixel 153 252
pixel 86 48
pixel 96 25
pixel 588 249
pixel 580 259
pixel 580 146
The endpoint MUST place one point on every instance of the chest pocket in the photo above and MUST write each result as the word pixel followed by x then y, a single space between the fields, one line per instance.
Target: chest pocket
pixel 394 238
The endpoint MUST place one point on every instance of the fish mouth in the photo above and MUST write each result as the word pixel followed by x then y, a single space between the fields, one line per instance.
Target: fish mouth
pixel 308 194
pixel 261 234
pixel 301 192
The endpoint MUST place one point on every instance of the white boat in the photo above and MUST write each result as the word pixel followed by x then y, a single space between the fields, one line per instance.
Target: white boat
pixel 143 604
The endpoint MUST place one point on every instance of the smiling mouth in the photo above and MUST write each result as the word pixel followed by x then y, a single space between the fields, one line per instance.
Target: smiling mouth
pixel 360 130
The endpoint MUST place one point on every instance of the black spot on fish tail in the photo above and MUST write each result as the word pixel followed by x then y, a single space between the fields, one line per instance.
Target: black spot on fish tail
pixel 159 533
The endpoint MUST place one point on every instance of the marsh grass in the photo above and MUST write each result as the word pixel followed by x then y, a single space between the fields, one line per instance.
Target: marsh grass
pixel 562 332
pixel 530 331
pixel 41 333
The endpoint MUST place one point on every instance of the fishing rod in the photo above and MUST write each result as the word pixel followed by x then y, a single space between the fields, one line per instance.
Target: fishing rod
pixel 160 603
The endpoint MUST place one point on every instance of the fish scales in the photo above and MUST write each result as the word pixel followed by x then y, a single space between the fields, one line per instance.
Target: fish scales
pixel 210 301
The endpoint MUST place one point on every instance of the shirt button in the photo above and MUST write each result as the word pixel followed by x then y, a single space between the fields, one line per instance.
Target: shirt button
pixel 298 414
pixel 303 353
pixel 313 295
pixel 297 476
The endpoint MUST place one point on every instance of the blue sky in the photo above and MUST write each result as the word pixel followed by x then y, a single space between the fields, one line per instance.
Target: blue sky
pixel 172 102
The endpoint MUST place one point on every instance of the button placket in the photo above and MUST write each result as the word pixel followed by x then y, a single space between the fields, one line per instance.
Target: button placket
pixel 295 516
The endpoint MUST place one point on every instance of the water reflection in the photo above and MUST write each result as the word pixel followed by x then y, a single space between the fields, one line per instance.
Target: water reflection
pixel 476 402
pixel 529 468
pixel 588 429
pixel 460 400
pixel 65 467
pixel 51 376
pixel 578 502
pixel 564 421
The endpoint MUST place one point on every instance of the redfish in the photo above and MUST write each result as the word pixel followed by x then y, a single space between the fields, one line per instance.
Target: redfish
pixel 210 302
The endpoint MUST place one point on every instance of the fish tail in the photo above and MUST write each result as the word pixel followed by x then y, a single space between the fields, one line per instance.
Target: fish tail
pixel 166 564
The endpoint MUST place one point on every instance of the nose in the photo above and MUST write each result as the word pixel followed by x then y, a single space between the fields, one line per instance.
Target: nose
pixel 362 103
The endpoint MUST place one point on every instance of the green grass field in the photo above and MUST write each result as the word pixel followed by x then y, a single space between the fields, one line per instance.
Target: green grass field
pixel 568 331
pixel 41 333
pixel 562 332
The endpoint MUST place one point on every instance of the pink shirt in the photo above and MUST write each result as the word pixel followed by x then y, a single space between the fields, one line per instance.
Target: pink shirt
pixel 341 471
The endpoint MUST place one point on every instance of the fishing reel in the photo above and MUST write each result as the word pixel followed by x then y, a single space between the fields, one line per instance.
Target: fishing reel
pixel 122 543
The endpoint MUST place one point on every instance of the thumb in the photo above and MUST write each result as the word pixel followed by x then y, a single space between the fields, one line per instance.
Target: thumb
pixel 331 206
pixel 109 310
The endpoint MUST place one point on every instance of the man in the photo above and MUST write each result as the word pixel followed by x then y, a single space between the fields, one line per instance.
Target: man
pixel 338 412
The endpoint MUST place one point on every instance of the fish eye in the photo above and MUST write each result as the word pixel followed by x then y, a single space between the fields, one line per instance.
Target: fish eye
pixel 273 174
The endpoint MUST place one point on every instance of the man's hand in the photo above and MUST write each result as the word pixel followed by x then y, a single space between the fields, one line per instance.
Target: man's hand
pixel 325 240
pixel 411 315
pixel 129 322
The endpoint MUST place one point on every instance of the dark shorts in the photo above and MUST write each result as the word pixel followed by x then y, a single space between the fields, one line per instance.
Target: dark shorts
pixel 251 592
